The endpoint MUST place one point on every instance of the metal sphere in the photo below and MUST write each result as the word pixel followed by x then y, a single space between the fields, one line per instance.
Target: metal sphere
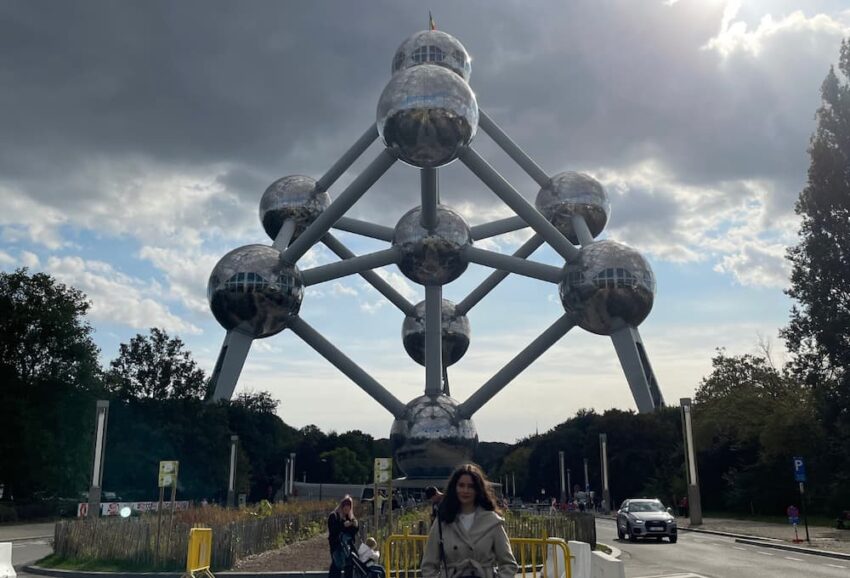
pixel 293 197
pixel 432 257
pixel 570 193
pixel 426 114
pixel 433 47
pixel 252 291
pixel 455 330
pixel 430 440
pixel 608 287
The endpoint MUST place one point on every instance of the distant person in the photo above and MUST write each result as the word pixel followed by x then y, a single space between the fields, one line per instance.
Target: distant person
pixel 342 528
pixel 468 539
pixel 433 495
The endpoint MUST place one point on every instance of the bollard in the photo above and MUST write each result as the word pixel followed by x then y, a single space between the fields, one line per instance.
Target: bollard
pixel 6 569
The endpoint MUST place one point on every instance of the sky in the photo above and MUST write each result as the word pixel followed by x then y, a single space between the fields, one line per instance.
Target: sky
pixel 137 138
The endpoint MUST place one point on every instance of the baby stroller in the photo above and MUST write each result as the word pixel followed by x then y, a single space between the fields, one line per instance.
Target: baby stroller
pixel 361 569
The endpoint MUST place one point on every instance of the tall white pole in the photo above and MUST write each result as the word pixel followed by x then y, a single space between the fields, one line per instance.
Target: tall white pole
pixel 292 473
pixel 603 449
pixel 231 484
pixel 96 488
pixel 694 501
pixel 563 479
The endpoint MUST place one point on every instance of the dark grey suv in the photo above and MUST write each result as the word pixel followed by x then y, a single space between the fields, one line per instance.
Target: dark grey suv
pixel 643 518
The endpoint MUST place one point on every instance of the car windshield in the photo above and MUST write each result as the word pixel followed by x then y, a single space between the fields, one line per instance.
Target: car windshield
pixel 646 507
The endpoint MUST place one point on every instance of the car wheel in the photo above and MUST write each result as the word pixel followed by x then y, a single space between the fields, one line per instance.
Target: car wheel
pixel 673 539
pixel 632 537
pixel 620 533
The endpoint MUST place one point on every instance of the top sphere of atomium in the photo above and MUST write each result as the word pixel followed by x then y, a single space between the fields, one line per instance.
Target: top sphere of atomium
pixel 294 197
pixel 431 439
pixel 426 114
pixel 608 287
pixel 435 256
pixel 252 291
pixel 570 193
pixel 455 329
pixel 433 47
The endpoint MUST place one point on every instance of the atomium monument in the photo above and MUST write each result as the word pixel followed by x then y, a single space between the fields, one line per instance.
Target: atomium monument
pixel 427 117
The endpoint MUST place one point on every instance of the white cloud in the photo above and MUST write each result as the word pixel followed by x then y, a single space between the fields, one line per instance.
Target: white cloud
pixel 757 264
pixel 339 290
pixel 6 258
pixel 736 36
pixel 29 259
pixel 116 297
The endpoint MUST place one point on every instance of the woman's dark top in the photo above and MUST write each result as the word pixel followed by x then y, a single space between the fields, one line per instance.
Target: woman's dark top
pixel 336 529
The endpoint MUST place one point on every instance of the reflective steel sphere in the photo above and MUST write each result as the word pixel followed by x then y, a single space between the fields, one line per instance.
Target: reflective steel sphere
pixel 293 197
pixel 455 334
pixel 569 194
pixel 430 440
pixel 251 290
pixel 426 114
pixel 433 47
pixel 432 257
pixel 608 287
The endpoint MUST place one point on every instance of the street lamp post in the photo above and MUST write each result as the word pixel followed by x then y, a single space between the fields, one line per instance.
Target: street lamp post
pixel 101 418
pixel 603 458
pixel 694 503
pixel 231 482
pixel 292 473
pixel 569 486
pixel 563 481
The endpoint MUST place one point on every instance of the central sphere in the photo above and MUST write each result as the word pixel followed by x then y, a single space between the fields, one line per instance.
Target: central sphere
pixel 433 47
pixel 455 329
pixel 426 114
pixel 608 287
pixel 432 257
pixel 570 193
pixel 430 440
pixel 294 197
pixel 252 291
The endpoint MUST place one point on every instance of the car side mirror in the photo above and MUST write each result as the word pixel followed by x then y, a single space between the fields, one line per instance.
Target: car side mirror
pixel 670 511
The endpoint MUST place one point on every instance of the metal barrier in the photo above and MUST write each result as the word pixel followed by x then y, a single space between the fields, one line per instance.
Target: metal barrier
pixel 536 557
pixel 199 555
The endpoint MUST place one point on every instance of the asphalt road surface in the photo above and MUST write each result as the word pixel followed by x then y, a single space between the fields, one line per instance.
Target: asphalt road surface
pixel 709 556
pixel 29 550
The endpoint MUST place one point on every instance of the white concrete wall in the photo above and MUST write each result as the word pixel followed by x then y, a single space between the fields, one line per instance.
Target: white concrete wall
pixel 6 570
pixel 581 562
pixel 605 566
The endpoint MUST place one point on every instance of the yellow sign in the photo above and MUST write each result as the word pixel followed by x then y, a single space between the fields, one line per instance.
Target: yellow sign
pixel 383 470
pixel 168 474
pixel 200 551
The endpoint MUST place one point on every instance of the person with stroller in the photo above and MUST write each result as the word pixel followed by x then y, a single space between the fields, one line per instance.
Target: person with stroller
pixel 468 539
pixel 342 528
pixel 368 558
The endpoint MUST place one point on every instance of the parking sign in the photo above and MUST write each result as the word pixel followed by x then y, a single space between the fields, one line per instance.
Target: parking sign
pixel 799 469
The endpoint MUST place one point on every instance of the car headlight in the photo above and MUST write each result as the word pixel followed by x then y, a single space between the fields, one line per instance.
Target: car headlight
pixel 637 520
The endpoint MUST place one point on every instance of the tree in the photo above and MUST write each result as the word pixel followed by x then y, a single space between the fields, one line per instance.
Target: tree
pixel 43 331
pixel 156 367
pixel 819 330
pixel 345 466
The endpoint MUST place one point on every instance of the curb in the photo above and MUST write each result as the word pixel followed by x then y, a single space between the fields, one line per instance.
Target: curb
pixel 25 538
pixel 797 549
pixel 728 534
pixel 57 573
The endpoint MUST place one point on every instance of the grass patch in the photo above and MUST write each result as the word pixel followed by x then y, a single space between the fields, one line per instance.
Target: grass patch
pixel 59 563
pixel 603 548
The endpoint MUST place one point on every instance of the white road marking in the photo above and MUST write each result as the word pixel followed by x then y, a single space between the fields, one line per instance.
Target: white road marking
pixel 688 575
pixel 765 553
pixel 795 559
pixel 835 566
pixel 739 548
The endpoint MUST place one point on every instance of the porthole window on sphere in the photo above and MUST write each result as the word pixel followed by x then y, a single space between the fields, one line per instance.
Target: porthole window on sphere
pixel 246 283
pixel 425 54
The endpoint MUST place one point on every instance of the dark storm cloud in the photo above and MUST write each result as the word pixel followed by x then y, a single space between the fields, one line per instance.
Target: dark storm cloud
pixel 263 89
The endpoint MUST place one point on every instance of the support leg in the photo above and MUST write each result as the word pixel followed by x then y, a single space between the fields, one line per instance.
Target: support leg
pixel 629 347
pixel 231 359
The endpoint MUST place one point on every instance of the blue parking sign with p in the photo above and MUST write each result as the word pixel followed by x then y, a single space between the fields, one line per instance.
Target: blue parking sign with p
pixel 799 469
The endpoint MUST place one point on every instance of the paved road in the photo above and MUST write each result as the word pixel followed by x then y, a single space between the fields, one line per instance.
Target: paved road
pixel 30 550
pixel 708 556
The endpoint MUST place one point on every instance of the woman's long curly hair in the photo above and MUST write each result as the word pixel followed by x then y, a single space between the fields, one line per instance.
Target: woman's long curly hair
pixel 484 497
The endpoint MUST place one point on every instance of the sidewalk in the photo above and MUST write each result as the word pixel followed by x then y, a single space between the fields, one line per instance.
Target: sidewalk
pixel 823 539
pixel 11 532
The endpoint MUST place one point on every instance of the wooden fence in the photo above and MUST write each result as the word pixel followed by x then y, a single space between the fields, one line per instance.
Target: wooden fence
pixel 132 541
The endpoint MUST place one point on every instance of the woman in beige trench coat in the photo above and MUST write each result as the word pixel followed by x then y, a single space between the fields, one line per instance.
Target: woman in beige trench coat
pixel 474 543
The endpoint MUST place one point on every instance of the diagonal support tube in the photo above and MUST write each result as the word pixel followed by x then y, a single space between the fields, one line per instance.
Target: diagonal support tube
pixel 371 277
pixel 585 237
pixel 639 374
pixel 339 207
pixel 347 159
pixel 228 367
pixel 513 264
pixel 516 366
pixel 345 267
pixel 515 201
pixel 433 340
pixel 327 350
pixel 366 229
pixel 513 150
pixel 487 230
pixel 284 236
pixel 496 277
